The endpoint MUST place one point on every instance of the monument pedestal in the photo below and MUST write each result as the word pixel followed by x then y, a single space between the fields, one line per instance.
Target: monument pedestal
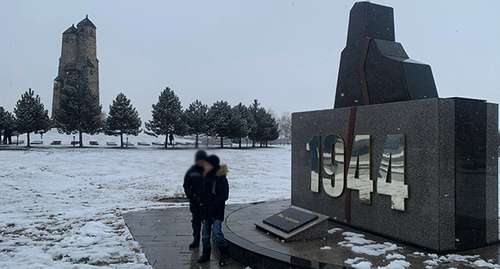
pixel 448 197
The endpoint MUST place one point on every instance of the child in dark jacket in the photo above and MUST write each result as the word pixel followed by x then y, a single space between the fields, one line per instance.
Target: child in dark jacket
pixel 212 201
pixel 192 183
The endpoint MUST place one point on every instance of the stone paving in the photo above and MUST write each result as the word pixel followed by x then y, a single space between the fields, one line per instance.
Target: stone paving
pixel 164 235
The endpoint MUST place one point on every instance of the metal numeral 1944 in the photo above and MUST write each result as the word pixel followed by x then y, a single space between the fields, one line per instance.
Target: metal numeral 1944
pixel 327 164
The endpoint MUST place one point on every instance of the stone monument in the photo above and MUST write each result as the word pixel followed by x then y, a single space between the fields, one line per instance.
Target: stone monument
pixel 392 158
pixel 78 54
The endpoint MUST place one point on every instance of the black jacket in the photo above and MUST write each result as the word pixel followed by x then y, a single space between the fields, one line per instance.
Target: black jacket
pixel 213 194
pixel 192 183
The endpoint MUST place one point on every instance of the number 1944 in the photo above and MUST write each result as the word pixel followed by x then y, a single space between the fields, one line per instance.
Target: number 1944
pixel 329 155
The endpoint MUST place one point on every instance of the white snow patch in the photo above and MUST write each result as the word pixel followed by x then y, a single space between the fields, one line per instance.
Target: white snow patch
pixel 396 264
pixel 395 256
pixel 484 264
pixel 359 244
pixel 326 247
pixel 466 260
pixel 331 231
pixel 416 253
pixel 351 261
pixel 62 207
pixel 362 265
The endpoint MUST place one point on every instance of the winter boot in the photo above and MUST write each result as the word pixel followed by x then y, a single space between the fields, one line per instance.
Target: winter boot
pixel 205 257
pixel 195 243
pixel 224 256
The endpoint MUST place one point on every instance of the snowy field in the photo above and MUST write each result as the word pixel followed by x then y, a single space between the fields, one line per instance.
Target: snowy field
pixel 62 207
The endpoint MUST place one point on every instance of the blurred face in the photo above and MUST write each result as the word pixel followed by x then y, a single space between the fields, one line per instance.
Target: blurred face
pixel 207 167
pixel 200 163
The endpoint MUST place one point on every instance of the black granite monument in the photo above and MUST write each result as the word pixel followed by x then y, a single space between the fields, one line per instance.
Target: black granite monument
pixel 392 158
pixel 374 69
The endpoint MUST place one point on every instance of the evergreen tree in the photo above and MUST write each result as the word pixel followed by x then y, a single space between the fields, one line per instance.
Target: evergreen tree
pixel 168 117
pixel 79 110
pixel 122 118
pixel 258 123
pixel 219 118
pixel 196 118
pixel 262 123
pixel 271 130
pixel 8 126
pixel 31 116
pixel 239 122
pixel 253 121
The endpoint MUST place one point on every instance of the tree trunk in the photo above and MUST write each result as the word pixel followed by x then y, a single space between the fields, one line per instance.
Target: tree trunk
pixel 81 139
pixel 266 144
pixel 221 142
pixel 240 143
pixel 196 143
pixel 166 141
pixel 29 145
pixel 253 143
pixel 121 140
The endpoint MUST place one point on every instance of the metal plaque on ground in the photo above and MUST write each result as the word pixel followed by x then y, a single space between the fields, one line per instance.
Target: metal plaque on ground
pixel 290 219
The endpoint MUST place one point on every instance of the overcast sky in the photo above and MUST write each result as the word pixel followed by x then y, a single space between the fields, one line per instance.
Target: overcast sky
pixel 284 53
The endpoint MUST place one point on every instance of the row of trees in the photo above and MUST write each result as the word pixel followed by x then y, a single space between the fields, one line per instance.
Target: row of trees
pixel 219 120
pixel 79 112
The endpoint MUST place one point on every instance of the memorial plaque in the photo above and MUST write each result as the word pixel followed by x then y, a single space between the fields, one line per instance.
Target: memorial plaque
pixel 290 219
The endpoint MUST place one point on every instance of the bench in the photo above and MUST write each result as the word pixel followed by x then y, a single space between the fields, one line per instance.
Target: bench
pixel 111 144
pixel 75 143
pixel 37 142
pixel 56 142
pixel 94 143
pixel 158 144
pixel 142 144
pixel 128 144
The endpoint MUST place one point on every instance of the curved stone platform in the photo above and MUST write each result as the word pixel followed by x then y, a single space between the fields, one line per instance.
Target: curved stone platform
pixel 344 247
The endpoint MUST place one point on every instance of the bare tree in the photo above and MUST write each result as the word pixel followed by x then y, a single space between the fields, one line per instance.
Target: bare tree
pixel 285 126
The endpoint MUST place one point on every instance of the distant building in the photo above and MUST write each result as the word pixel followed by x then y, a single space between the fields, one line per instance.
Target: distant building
pixel 78 52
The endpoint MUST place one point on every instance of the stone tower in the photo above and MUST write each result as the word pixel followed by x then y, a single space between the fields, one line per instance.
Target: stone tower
pixel 78 52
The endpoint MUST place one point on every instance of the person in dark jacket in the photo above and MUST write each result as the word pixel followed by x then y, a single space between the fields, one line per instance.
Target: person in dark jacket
pixel 212 201
pixel 192 184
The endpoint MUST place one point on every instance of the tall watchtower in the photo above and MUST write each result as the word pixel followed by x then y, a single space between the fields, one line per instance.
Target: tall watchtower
pixel 78 52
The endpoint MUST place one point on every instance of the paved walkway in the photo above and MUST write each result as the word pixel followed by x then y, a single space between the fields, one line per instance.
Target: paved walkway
pixel 165 234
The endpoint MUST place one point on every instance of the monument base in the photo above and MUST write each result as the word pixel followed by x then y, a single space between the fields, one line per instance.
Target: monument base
pixel 342 248
pixel 423 172
pixel 315 228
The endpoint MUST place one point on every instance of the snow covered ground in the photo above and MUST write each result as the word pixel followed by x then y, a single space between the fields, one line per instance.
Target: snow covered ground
pixel 61 207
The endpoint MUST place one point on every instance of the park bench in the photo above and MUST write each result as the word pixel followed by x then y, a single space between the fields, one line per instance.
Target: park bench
pixel 37 142
pixel 75 143
pixel 56 142
pixel 94 143
pixel 158 144
pixel 142 144
pixel 128 144
pixel 111 144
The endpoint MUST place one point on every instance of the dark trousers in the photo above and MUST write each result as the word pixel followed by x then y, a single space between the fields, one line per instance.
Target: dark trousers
pixel 195 220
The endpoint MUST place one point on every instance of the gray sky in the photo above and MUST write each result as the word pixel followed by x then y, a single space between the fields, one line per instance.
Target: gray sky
pixel 284 53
